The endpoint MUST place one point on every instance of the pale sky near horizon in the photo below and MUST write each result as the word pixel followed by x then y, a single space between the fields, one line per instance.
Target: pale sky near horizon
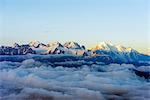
pixel 88 22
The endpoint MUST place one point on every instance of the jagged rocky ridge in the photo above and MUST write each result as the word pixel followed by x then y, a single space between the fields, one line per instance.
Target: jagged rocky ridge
pixel 105 52
pixel 57 71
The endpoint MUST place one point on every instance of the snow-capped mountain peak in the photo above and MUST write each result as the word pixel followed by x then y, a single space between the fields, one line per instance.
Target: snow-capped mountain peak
pixel 72 45
pixel 125 49
pixel 121 48
pixel 110 47
pixel 104 46
pixel 54 44
pixel 36 44
pixel 117 52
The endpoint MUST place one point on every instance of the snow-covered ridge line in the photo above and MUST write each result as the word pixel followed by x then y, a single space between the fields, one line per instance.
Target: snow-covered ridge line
pixel 117 52
pixel 41 48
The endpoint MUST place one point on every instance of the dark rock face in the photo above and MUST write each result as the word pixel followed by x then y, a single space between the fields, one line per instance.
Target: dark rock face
pixel 56 51
pixel 16 50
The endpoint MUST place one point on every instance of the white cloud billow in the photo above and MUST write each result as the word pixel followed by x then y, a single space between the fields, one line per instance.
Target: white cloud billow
pixel 33 79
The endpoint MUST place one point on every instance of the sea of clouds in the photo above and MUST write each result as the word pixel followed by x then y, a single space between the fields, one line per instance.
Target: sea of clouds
pixel 32 80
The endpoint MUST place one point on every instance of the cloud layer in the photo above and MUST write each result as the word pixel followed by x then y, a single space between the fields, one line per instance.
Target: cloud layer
pixel 32 79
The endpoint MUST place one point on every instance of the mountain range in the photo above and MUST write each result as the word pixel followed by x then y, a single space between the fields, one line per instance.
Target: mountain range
pixel 115 53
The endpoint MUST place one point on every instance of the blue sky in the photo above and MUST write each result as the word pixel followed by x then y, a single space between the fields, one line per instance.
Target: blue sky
pixel 84 21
